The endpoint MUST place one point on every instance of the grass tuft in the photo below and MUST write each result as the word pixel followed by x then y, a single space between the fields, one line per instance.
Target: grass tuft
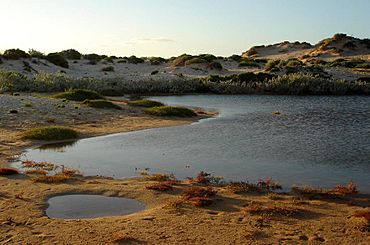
pixel 171 111
pixel 160 187
pixel 50 133
pixel 198 196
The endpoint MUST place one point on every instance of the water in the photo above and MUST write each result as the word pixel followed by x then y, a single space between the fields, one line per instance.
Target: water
pixel 319 141
pixel 90 206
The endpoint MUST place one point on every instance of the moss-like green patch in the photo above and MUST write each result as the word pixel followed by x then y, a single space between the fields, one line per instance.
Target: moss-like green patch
pixel 79 95
pixel 145 103
pixel 170 111
pixel 50 133
pixel 101 103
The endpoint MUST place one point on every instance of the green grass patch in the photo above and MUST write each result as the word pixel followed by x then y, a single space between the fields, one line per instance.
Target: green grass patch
pixel 145 103
pixel 101 103
pixel 50 133
pixel 79 95
pixel 170 111
pixel 27 104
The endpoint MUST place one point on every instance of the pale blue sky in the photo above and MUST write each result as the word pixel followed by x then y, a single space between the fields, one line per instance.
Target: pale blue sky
pixel 172 27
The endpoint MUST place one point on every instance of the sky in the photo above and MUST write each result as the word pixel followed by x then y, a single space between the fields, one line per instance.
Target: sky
pixel 172 27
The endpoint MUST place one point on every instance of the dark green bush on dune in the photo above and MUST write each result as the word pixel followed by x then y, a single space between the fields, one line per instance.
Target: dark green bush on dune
pixel 170 111
pixel 71 54
pixel 15 54
pixel 135 60
pixel 57 60
pixel 50 133
pixel 108 68
pixel 196 60
pixel 94 57
pixel 101 103
pixel 79 95
pixel 36 54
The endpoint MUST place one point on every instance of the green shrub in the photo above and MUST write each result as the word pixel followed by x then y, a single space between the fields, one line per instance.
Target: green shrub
pixel 196 60
pixel 170 111
pixel 1 61
pixel 346 63
pixel 101 103
pixel 36 54
pixel 271 64
pixel 108 69
pixel 180 61
pixel 156 60
pixel 215 65
pixel 134 60
pixel 145 103
pixel 79 95
pixel 15 54
pixel 110 59
pixel 27 104
pixel 235 57
pixel 248 63
pixel 208 57
pixel 94 57
pixel 71 54
pixel 50 133
pixel 57 60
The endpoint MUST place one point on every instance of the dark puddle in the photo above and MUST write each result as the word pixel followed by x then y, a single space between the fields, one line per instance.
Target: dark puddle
pixel 90 206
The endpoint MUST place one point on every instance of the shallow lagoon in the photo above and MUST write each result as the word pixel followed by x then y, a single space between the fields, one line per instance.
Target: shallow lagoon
pixel 316 140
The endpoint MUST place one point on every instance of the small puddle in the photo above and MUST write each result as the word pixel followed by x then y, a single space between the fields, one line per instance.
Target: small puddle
pixel 90 206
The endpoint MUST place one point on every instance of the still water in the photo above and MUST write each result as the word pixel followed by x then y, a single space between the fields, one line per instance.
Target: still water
pixel 316 140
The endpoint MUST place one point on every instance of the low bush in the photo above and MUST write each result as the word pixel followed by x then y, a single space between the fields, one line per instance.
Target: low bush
pixel 13 111
pixel 79 95
pixel 71 54
pixel 135 60
pixel 145 103
pixel 15 54
pixel 50 133
pixel 196 60
pixel 36 54
pixel 180 61
pixel 248 63
pixel 159 177
pixel 235 57
pixel 57 60
pixel 101 103
pixel 215 65
pixel 171 111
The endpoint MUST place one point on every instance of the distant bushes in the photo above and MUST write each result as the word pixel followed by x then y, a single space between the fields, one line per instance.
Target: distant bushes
pixel 312 82
pixel 15 54
pixel 352 63
pixel 135 60
pixel 94 58
pixel 197 60
pixel 57 60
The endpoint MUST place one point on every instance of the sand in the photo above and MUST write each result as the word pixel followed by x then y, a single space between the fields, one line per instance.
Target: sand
pixel 225 221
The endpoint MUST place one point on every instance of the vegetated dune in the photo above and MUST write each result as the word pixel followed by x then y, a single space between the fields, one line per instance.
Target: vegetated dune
pixel 338 46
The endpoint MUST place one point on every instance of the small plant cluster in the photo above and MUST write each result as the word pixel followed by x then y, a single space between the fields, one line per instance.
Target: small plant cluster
pixel 163 186
pixel 365 215
pixel 159 177
pixel 50 133
pixel 198 196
